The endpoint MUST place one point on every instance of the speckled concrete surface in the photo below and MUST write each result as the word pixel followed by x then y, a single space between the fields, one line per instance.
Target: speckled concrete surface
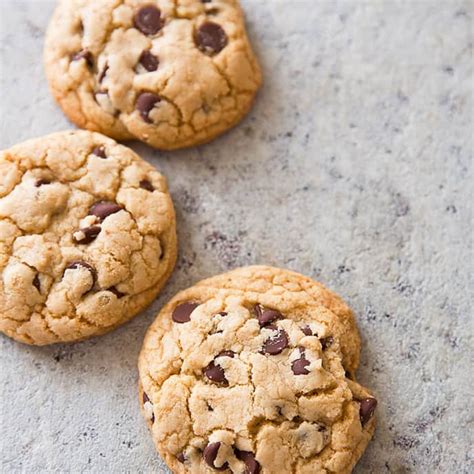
pixel 354 167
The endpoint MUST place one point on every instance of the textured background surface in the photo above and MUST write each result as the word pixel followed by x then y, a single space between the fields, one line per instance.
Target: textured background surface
pixel 353 167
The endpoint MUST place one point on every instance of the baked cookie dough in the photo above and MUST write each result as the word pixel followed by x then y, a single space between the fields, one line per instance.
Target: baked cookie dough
pixel 172 73
pixel 87 237
pixel 252 372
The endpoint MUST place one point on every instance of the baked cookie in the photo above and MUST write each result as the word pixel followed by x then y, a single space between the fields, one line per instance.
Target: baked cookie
pixel 252 372
pixel 172 73
pixel 87 237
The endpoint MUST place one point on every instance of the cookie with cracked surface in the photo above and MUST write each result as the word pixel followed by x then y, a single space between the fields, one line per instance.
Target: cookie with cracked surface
pixel 87 237
pixel 251 372
pixel 172 73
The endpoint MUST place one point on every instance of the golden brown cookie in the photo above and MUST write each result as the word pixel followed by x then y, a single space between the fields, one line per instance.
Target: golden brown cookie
pixel 252 372
pixel 172 73
pixel 87 237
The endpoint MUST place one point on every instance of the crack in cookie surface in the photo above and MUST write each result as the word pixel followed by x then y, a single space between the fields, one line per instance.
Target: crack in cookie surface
pixel 258 357
pixel 87 237
pixel 193 56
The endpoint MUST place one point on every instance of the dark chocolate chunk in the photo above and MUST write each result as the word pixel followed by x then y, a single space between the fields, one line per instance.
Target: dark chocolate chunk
pixel 210 38
pixel 182 313
pixel 145 103
pixel 216 373
pixel 149 61
pixel 90 234
pixel 99 151
pixel 307 330
pixel 210 454
pixel 275 344
pixel 265 315
pixel 326 342
pixel 248 458
pixel 148 20
pixel 42 182
pixel 298 366
pixel 145 184
pixel 367 408
pixel 103 209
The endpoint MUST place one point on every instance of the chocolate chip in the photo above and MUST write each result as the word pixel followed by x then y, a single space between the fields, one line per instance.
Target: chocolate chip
pixel 210 38
pixel 145 398
pixel 148 20
pixel 223 314
pixel 326 342
pixel 367 408
pixel 266 316
pixel 230 354
pixel 37 283
pixel 275 344
pixel 116 292
pixel 182 313
pixel 103 73
pixel 90 234
pixel 145 103
pixel 215 373
pixel 298 366
pixel 248 458
pixel 84 54
pixel 145 184
pixel 99 151
pixel 307 331
pixel 181 458
pixel 42 182
pixel 80 264
pixel 149 61
pixel 210 454
pixel 103 209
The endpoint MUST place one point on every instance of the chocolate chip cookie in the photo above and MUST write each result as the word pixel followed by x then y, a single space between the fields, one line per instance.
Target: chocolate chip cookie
pixel 87 237
pixel 172 73
pixel 252 372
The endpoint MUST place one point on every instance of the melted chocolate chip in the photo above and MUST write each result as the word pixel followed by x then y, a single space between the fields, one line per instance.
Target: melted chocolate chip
pixel 182 313
pixel 223 313
pixel 326 342
pixel 104 209
pixel 210 454
pixel 116 292
pixel 145 103
pixel 215 373
pixel 90 234
pixel 42 182
pixel 266 316
pixel 37 283
pixel 210 38
pixel 145 184
pixel 275 344
pixel 148 20
pixel 149 61
pixel 248 458
pixel 298 366
pixel 99 151
pixel 230 354
pixel 367 408
pixel 307 331
pixel 181 458
pixel 80 264
pixel 84 54
pixel 103 73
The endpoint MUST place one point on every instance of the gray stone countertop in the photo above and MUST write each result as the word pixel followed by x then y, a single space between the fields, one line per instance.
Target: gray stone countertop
pixel 354 167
